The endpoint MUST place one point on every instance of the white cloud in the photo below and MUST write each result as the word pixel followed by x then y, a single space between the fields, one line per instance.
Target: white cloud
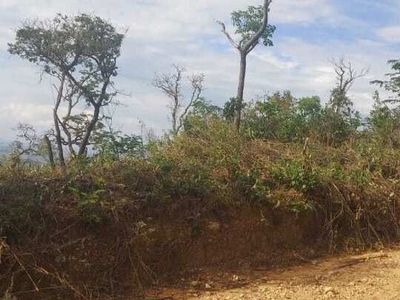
pixel 390 34
pixel 163 32
pixel 305 11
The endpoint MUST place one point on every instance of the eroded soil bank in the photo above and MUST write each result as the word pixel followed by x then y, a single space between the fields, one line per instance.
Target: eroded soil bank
pixel 144 247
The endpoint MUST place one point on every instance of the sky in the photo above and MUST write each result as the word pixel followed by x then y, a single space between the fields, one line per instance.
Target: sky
pixel 165 32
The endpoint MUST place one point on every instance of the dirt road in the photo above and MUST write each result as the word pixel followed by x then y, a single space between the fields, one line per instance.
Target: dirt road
pixel 368 276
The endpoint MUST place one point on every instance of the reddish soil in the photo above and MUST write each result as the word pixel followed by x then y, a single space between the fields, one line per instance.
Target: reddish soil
pixel 152 246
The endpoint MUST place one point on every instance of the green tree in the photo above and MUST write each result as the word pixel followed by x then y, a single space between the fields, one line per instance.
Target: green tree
pixel 308 117
pixel 272 117
pixel 81 52
pixel 384 122
pixel 202 113
pixel 115 145
pixel 231 107
pixel 252 27
pixel 393 83
pixel 29 144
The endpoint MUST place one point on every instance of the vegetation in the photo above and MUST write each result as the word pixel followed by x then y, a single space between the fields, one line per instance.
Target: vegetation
pixel 81 53
pixel 288 158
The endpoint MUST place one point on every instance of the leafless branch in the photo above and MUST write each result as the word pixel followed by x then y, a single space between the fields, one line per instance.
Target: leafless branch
pixel 171 86
pixel 228 36
pixel 346 74
pixel 196 81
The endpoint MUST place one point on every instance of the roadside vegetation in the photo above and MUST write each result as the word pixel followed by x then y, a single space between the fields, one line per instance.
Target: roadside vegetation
pixel 102 211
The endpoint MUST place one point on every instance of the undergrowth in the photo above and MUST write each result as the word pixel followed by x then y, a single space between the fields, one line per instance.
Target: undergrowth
pixel 354 190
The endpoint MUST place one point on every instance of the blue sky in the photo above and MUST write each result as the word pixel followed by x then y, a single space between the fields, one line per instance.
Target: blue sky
pixel 164 32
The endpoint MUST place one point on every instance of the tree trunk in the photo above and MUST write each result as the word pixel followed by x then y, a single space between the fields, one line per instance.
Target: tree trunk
pixel 240 92
pixel 57 125
pixel 97 106
pixel 50 151
pixel 85 141
pixel 175 116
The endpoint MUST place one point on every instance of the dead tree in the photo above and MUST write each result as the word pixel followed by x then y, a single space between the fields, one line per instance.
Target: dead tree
pixel 171 86
pixel 343 120
pixel 346 75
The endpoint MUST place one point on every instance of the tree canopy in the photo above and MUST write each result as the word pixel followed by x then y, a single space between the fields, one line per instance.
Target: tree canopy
pixel 81 52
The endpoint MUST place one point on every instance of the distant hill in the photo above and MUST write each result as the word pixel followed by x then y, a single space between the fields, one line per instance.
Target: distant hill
pixel 4 147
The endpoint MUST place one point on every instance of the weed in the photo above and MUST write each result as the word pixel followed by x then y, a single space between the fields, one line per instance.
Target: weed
pixel 293 174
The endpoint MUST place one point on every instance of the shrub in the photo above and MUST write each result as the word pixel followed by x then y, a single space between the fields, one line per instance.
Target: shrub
pixel 294 174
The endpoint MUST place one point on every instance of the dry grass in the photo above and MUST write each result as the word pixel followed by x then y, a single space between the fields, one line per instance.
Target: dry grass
pixel 49 217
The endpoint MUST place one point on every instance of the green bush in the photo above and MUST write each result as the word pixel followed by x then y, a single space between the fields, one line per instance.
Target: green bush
pixel 294 174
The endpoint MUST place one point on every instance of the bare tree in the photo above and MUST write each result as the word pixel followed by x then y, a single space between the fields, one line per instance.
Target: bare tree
pixel 346 75
pixel 253 26
pixel 31 144
pixel 341 120
pixel 171 86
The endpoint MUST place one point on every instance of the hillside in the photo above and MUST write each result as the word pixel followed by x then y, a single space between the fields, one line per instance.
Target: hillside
pixel 4 148
pixel 213 199
pixel 245 194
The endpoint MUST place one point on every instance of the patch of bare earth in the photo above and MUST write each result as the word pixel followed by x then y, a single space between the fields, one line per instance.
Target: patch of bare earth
pixel 367 276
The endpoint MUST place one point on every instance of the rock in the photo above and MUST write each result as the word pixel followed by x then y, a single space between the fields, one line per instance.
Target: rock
pixel 214 226
pixel 141 224
pixel 235 278
pixel 151 230
pixel 329 290
pixel 194 283
pixel 207 286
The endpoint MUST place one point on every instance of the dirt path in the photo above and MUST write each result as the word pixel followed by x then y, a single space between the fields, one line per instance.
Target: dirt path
pixel 368 276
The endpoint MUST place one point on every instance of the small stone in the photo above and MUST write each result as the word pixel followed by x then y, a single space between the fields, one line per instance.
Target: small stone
pixel 151 230
pixel 141 224
pixel 329 290
pixel 214 226
pixel 207 286
pixel 235 278
pixel 194 283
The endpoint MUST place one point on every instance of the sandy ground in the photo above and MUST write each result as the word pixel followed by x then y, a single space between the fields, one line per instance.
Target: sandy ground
pixel 368 276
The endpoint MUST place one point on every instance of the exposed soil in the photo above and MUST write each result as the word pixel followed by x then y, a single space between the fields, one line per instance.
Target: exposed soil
pixel 368 276
pixel 199 251
pixel 145 246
